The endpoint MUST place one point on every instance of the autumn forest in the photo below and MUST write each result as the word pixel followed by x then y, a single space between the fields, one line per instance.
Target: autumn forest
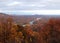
pixel 29 29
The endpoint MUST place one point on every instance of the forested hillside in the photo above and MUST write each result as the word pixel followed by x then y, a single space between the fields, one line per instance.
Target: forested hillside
pixel 41 31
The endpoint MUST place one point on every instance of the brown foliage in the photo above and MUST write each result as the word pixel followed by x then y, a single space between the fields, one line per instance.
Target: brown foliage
pixel 50 33
pixel 42 32
pixel 11 32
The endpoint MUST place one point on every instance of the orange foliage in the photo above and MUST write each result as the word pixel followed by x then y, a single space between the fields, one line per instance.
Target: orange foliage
pixel 41 32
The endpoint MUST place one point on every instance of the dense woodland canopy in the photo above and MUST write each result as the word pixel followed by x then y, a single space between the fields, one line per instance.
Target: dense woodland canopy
pixel 40 32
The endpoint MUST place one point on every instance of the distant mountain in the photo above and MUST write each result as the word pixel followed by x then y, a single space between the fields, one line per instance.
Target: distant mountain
pixel 23 19
pixel 4 15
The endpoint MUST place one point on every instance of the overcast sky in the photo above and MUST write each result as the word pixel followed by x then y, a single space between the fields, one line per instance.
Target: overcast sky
pixel 30 6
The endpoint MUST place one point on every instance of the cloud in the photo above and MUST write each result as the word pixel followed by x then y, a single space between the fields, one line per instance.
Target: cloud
pixel 25 4
pixel 39 12
pixel 14 3
pixel 29 5
pixel 43 11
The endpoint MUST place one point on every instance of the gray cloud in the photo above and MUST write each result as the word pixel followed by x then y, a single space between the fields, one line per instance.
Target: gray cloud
pixel 20 5
pixel 29 5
